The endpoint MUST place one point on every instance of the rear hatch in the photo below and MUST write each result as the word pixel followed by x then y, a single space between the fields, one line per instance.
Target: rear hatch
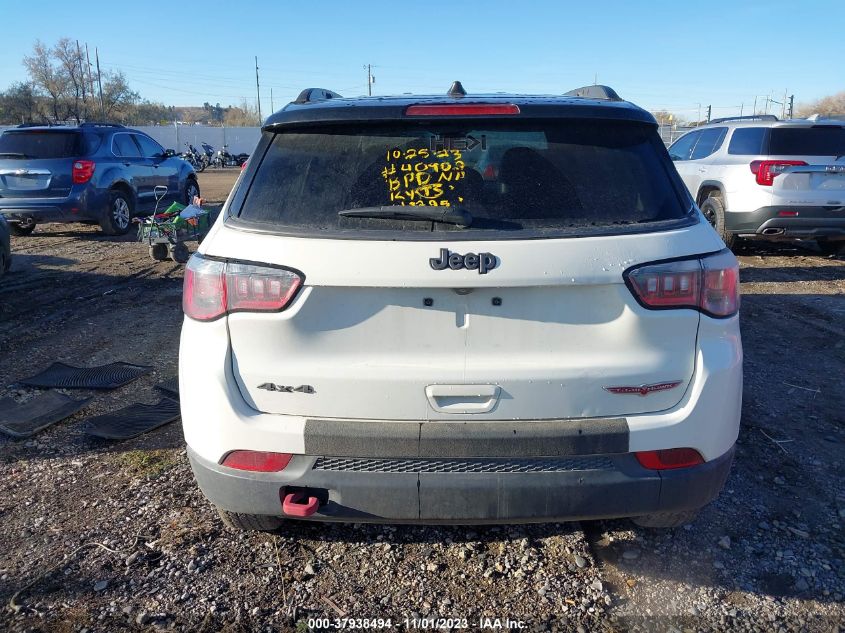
pixel 522 314
pixel 38 163
pixel 820 181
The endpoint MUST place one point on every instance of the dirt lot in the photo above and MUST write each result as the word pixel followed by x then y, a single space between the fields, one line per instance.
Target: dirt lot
pixel 101 536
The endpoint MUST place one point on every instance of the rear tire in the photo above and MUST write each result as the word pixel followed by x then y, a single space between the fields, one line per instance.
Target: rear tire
pixel 714 211
pixel 118 216
pixel 831 248
pixel 179 253
pixel 192 189
pixel 665 519
pixel 22 229
pixel 250 522
pixel 159 252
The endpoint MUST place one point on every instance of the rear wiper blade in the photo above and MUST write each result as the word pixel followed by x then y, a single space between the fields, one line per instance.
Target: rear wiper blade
pixel 443 215
pixel 18 154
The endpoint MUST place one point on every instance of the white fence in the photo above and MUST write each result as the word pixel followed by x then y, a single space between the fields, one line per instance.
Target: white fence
pixel 239 139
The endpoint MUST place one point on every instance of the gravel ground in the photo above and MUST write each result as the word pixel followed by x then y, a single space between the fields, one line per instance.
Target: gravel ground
pixel 99 536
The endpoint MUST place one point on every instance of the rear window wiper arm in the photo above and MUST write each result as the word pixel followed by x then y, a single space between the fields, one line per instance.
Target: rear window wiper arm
pixel 443 215
pixel 15 154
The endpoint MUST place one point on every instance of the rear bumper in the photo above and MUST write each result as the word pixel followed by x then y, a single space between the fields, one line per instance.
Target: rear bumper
pixel 86 204
pixel 436 491
pixel 811 222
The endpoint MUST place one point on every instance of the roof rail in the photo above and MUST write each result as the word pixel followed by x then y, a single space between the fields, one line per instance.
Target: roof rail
pixel 594 92
pixel 310 95
pixel 45 124
pixel 100 124
pixel 748 117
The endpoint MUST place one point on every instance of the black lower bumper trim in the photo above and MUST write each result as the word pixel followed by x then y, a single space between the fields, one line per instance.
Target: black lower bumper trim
pixel 624 489
pixel 810 223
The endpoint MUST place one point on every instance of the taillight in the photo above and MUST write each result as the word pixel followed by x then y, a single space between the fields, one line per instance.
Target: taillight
pixel 709 284
pixel 213 288
pixel 462 109
pixel 82 171
pixel 257 461
pixel 669 458
pixel 766 170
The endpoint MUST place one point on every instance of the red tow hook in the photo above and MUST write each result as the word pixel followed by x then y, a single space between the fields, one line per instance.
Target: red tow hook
pixel 293 505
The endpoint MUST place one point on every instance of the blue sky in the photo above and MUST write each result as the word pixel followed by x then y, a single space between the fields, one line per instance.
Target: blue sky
pixel 670 55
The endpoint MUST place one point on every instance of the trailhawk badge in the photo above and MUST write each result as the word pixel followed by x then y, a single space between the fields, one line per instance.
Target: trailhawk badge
pixel 482 262
pixel 644 390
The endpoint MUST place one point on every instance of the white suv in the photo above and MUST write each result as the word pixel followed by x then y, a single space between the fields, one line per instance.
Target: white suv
pixel 460 309
pixel 761 178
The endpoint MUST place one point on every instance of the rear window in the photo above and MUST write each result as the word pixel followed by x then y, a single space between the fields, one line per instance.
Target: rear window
pixel 748 141
pixel 40 144
pixel 566 175
pixel 819 140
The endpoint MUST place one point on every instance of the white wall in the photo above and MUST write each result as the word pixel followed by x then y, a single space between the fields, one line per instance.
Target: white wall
pixel 239 139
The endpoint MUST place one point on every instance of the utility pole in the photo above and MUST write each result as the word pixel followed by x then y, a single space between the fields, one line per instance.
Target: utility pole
pixel 698 118
pixel 272 109
pixel 90 73
pixel 709 109
pixel 791 105
pixel 100 84
pixel 741 106
pixel 370 80
pixel 81 75
pixel 258 89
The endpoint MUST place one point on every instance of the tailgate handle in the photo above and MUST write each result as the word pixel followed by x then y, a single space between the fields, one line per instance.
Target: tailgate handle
pixel 293 505
pixel 463 398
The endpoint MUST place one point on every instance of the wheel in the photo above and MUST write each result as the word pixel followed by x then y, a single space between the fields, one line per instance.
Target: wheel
pixel 158 252
pixel 831 248
pixel 192 189
pixel 22 228
pixel 714 211
pixel 117 218
pixel 201 165
pixel 665 519
pixel 179 253
pixel 250 522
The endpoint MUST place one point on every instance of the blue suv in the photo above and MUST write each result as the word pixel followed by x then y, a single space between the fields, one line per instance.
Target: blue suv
pixel 94 173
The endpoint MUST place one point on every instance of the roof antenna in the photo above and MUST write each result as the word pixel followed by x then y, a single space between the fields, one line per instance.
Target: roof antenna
pixel 456 90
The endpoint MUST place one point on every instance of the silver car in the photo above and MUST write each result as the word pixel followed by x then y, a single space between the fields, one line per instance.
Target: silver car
pixel 762 178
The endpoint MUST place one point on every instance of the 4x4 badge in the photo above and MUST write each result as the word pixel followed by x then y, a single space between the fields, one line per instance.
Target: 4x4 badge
pixel 481 262
pixel 269 386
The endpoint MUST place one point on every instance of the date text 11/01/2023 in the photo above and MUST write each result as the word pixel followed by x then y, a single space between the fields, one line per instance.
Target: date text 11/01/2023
pixel 428 624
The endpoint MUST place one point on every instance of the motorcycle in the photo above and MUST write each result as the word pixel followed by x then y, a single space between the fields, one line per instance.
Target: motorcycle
pixel 225 159
pixel 208 154
pixel 197 160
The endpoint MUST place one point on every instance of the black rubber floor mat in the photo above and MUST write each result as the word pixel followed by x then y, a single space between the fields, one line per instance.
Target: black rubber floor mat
pixel 171 385
pixel 22 420
pixel 111 376
pixel 133 420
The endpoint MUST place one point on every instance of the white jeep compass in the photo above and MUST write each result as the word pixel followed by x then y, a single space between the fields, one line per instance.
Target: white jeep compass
pixel 460 309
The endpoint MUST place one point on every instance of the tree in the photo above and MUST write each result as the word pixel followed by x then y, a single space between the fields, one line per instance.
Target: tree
pixel 664 117
pixel 118 97
pixel 18 104
pixel 826 106
pixel 47 77
pixel 71 66
pixel 242 116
